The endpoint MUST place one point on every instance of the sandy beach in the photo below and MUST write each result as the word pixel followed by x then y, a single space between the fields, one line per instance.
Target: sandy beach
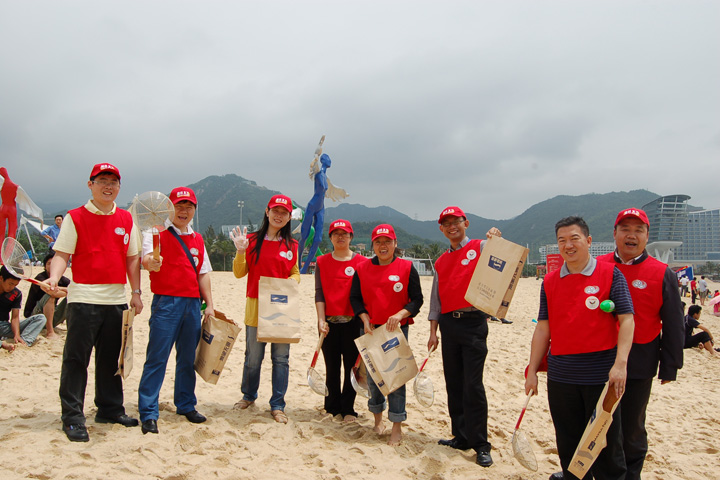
pixel 683 416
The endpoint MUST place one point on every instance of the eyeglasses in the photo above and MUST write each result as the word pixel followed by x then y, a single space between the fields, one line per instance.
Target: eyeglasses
pixel 105 183
pixel 453 224
pixel 340 233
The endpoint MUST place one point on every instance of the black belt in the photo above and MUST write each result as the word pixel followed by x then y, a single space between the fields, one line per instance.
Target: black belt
pixel 467 314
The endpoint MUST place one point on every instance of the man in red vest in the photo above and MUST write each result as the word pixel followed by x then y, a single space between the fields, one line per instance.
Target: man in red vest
pixel 464 333
pixel 103 242
pixel 659 329
pixel 178 279
pixel 589 346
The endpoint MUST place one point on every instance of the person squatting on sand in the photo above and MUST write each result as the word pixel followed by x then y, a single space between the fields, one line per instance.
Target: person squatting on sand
pixel 658 334
pixel 702 339
pixel 333 278
pixel 588 346
pixel 270 252
pixel 22 332
pixel 464 331
pixel 179 281
pixel 386 291
pixel 103 241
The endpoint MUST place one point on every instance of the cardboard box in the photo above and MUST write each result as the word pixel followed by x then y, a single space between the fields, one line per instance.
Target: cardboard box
pixel 216 342
pixel 595 437
pixel 496 276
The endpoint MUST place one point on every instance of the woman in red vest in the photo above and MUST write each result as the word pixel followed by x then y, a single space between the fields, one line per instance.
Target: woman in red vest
pixel 270 252
pixel 386 291
pixel 333 277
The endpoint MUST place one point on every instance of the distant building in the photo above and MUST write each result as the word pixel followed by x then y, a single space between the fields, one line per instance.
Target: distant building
pixel 701 237
pixel 668 218
pixel 596 249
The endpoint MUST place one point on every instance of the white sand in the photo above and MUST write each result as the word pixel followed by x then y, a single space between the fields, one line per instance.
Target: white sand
pixel 683 418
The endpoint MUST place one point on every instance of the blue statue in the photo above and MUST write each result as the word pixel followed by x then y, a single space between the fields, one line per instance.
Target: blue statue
pixel 315 212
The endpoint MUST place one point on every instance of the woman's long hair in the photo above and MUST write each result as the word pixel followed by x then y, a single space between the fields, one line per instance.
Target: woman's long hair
pixel 285 233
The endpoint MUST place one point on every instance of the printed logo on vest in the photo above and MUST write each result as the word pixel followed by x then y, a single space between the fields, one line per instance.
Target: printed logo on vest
pixel 194 251
pixel 278 298
pixel 390 344
pixel 592 303
pixel 126 238
pixel 196 260
pixel 288 255
pixel 120 231
pixel 398 287
pixel 639 284
pixel 394 278
pixel 471 254
pixel 496 263
pixel 592 289
pixel 349 271
pixel 464 261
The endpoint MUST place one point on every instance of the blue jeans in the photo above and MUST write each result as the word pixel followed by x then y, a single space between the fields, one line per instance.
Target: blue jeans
pixel 30 328
pixel 254 354
pixel 173 321
pixel 377 403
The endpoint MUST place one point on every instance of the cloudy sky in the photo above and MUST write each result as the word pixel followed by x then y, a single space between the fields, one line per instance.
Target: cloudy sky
pixel 492 105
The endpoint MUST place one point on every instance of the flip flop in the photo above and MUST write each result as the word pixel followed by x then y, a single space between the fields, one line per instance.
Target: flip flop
pixel 279 416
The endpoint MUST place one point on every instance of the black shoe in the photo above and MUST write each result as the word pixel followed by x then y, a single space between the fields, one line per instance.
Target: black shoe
pixel 484 459
pixel 123 420
pixel 454 443
pixel 505 322
pixel 195 416
pixel 149 426
pixel 494 319
pixel 76 433
pixel 557 476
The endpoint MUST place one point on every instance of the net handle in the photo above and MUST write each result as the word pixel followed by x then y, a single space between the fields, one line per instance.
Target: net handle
pixel 522 414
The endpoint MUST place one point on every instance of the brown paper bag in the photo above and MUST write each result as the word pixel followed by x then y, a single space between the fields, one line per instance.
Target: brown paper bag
pixel 496 275
pixel 278 310
pixel 388 358
pixel 125 361
pixel 216 341
pixel 594 438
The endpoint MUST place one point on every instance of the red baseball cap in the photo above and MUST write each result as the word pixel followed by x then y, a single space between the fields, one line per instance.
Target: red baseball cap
pixel 451 212
pixel 180 194
pixel 384 230
pixel 340 224
pixel 104 168
pixel 280 201
pixel 634 213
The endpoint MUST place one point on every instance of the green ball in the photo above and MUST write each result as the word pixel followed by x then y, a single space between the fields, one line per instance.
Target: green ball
pixel 607 306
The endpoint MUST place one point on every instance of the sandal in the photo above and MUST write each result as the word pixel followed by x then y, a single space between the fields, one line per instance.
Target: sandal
pixel 243 404
pixel 279 416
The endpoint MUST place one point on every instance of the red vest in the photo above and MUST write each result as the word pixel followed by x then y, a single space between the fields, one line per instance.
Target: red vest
pixel 385 289
pixel 275 261
pixel 102 242
pixel 176 277
pixel 454 271
pixel 336 279
pixel 577 324
pixel 645 280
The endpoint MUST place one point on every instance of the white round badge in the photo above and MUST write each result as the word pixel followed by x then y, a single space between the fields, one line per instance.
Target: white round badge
pixel 196 260
pixel 126 238
pixel 283 254
pixel 349 271
pixel 471 254
pixel 289 255
pixel 120 231
pixel 639 284
pixel 592 302
pixel 194 251
pixel 592 290
pixel 465 261
pixel 398 287
pixel 394 278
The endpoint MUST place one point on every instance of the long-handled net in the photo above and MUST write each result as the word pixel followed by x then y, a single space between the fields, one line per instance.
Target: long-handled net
pixel 16 259
pixel 149 211
pixel 423 385
pixel 358 378
pixel 315 380
pixel 522 450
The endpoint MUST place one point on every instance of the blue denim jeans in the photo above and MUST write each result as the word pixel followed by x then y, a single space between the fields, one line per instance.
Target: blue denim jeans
pixel 173 321
pixel 377 403
pixel 254 354
pixel 30 328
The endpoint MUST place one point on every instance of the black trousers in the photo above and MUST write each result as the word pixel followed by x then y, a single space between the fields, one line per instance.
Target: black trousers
pixel 571 407
pixel 464 349
pixel 339 349
pixel 634 405
pixel 91 326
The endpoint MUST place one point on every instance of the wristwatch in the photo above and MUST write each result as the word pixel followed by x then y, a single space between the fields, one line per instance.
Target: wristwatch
pixel 138 291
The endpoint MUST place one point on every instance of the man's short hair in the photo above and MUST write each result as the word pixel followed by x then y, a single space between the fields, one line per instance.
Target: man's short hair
pixel 570 221
pixel 58 215
pixel 694 309
pixel 5 274
pixel 48 257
